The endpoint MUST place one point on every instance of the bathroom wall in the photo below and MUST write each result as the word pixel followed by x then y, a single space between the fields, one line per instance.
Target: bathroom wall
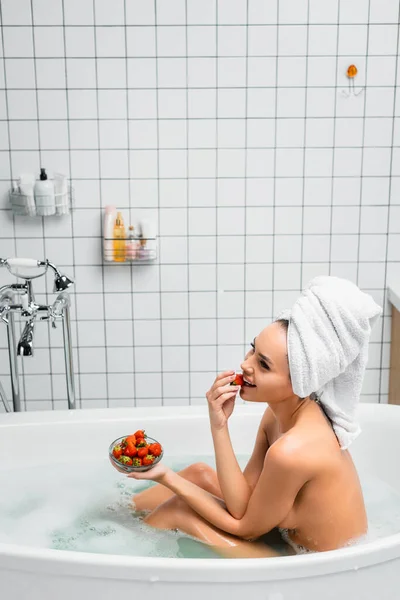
pixel 230 124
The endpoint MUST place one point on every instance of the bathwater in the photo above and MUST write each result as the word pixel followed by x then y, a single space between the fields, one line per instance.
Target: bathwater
pixel 86 506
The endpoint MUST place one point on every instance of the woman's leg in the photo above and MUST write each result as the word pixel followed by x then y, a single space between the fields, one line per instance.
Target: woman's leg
pixel 199 473
pixel 175 513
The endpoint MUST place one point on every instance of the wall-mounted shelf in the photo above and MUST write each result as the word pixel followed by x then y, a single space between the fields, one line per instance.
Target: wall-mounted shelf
pixel 146 251
pixel 128 245
pixel 29 206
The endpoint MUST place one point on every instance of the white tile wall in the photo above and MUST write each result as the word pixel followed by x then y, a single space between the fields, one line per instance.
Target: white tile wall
pixel 226 121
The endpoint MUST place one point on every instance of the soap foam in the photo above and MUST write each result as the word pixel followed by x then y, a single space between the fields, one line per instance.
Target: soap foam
pixel 87 506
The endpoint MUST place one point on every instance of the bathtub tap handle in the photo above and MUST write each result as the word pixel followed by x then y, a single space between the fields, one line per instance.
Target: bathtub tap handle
pixel 4 309
pixel 49 317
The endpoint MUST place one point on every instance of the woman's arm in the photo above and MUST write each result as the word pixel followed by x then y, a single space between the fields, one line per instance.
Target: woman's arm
pixel 234 486
pixel 286 470
pixel 237 486
pixel 235 489
pixel 284 474
pixel 204 503
pixel 255 464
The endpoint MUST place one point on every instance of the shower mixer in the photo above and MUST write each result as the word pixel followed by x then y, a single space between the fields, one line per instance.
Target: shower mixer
pixel 31 312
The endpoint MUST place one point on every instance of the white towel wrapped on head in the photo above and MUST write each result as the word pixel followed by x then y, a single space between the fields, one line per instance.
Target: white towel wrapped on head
pixel 328 335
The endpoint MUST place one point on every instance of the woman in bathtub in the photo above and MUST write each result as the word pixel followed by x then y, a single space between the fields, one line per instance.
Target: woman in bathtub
pixel 298 480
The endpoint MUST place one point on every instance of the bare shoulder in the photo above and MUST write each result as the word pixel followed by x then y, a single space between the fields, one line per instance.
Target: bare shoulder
pixel 307 454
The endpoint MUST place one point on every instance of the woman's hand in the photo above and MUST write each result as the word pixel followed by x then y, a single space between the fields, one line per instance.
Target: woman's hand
pixel 156 473
pixel 221 399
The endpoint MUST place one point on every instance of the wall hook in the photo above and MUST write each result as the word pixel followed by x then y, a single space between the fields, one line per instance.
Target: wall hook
pixel 351 91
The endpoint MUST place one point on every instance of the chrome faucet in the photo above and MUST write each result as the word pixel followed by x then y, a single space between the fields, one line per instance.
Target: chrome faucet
pixel 25 344
pixel 30 310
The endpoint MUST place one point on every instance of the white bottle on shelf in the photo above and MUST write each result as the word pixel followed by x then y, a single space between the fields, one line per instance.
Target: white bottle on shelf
pixel 132 244
pixel 44 195
pixel 61 194
pixel 24 201
pixel 148 250
pixel 108 232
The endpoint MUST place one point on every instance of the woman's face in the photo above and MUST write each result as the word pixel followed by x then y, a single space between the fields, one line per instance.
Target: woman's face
pixel 266 367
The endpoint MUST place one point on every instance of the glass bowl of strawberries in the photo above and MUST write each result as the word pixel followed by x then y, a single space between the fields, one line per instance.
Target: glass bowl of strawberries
pixel 135 453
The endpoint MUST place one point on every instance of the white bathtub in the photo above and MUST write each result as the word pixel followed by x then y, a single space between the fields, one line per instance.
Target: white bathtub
pixel 366 572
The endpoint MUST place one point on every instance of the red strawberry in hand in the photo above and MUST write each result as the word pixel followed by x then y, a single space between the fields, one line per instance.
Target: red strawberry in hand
pixel 238 379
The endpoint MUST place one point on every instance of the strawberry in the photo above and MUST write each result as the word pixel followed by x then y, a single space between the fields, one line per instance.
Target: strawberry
pixel 140 442
pixel 148 459
pixel 130 449
pixel 136 462
pixel 142 452
pixel 155 449
pixel 117 451
pixel 140 433
pixel 125 460
pixel 238 379
pixel 131 438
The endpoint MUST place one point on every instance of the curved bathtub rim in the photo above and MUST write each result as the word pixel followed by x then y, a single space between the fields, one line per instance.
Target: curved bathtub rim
pixel 18 558
pixel 118 414
pixel 114 566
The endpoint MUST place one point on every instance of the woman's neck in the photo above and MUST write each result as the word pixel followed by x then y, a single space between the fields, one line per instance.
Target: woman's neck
pixel 288 411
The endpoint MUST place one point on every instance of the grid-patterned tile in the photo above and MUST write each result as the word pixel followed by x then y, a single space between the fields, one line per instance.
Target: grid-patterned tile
pixel 226 122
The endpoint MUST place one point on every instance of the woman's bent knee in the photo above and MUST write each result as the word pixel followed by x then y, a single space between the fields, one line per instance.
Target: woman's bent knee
pixel 168 514
pixel 199 467
pixel 201 472
pixel 204 476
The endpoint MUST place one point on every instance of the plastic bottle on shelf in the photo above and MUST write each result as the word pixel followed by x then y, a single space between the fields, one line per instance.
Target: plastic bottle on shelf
pixel 61 194
pixel 131 244
pixel 110 216
pixel 23 202
pixel 44 195
pixel 119 241
pixel 148 242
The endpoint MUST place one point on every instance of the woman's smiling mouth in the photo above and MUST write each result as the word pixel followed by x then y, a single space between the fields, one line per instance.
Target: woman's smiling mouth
pixel 248 383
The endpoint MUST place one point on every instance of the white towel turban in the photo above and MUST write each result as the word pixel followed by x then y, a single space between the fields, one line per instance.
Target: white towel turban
pixel 328 335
